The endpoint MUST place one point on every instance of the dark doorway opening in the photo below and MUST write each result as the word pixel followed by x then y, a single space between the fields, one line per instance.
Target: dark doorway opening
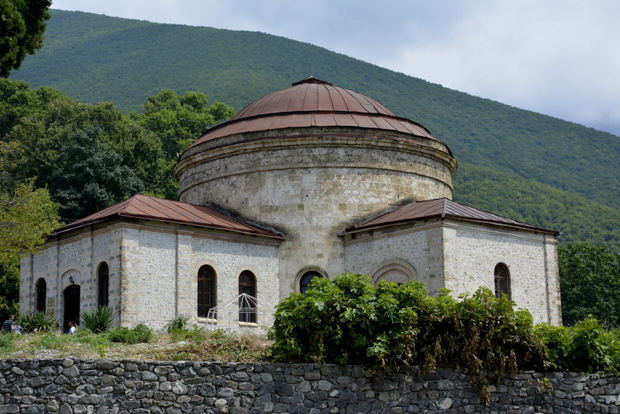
pixel 72 306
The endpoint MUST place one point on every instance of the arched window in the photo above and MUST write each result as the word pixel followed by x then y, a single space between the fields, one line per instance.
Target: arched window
pixel 247 308
pixel 207 298
pixel 103 275
pixel 306 278
pixel 502 280
pixel 41 289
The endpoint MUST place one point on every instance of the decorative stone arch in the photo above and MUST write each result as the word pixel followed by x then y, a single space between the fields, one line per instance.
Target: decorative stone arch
pixel 254 272
pixel 201 263
pixel 395 270
pixel 71 277
pixel 308 269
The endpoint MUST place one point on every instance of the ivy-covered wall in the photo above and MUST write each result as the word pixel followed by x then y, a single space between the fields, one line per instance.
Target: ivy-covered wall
pixel 100 386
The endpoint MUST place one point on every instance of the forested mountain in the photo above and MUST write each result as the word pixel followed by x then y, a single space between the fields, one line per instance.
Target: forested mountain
pixel 517 163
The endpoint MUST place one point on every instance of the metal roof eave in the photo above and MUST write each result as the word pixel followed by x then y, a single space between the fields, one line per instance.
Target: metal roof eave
pixel 525 227
pixel 121 216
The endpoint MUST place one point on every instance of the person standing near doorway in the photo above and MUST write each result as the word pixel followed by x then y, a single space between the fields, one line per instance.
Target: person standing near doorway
pixel 71 328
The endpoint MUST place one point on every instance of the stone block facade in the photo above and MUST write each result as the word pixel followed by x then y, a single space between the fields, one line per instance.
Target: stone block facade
pixel 153 272
pixel 461 257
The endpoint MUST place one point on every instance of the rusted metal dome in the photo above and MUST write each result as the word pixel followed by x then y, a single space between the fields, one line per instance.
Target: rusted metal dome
pixel 312 102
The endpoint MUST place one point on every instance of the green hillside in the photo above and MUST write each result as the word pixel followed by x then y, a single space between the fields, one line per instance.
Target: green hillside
pixel 511 160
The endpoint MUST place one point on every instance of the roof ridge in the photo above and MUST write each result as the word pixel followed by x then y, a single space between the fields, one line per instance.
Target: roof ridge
pixel 469 213
pixel 169 211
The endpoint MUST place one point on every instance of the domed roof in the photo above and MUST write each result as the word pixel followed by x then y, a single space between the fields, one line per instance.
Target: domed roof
pixel 314 103
pixel 313 95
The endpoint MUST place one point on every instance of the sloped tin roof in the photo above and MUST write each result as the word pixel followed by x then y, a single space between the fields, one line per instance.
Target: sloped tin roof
pixel 157 209
pixel 442 208
pixel 314 103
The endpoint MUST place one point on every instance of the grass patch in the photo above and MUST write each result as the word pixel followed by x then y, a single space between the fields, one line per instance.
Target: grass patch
pixel 195 344
pixel 199 344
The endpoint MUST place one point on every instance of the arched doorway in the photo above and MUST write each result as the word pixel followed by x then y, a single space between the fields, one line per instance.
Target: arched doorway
pixel 72 306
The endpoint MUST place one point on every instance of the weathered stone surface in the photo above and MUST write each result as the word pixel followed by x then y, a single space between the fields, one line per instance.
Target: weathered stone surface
pixel 270 388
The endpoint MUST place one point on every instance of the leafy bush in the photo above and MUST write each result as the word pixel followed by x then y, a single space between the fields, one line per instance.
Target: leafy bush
pixel 586 346
pixel 349 321
pixel 99 320
pixel 177 324
pixel 38 322
pixel 141 333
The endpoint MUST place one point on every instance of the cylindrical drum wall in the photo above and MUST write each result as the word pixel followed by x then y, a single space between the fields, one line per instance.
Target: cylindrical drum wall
pixel 312 183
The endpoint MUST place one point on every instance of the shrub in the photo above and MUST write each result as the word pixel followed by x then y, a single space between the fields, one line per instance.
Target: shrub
pixel 38 322
pixel 179 323
pixel 349 321
pixel 586 346
pixel 99 320
pixel 141 333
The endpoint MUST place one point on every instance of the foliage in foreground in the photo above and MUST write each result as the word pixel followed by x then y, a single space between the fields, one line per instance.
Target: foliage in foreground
pixel 586 346
pixel 141 333
pixel 178 324
pixel 349 321
pixel 22 24
pixel 38 322
pixel 98 320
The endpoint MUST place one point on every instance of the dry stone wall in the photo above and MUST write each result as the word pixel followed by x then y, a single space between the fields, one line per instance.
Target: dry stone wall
pixel 88 386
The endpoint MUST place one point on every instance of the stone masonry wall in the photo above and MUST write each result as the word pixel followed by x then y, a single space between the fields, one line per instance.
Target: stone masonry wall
pixel 313 183
pixel 88 386
pixel 153 272
pixel 472 251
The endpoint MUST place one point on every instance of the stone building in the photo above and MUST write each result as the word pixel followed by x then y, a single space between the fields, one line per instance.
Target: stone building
pixel 310 181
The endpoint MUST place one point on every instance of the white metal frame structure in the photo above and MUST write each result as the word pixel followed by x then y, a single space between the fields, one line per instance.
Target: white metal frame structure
pixel 228 315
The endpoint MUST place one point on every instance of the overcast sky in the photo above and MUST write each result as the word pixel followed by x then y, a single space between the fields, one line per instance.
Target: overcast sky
pixel 557 57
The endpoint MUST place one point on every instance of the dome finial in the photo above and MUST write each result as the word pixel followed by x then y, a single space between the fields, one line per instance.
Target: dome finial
pixel 311 79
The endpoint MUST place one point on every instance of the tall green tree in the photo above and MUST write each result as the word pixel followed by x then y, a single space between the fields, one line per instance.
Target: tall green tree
pixel 178 121
pixel 589 283
pixel 22 24
pixel 89 176
pixel 27 216
pixel 89 156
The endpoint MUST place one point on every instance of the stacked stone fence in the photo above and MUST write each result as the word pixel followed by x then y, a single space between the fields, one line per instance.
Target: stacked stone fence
pixel 109 386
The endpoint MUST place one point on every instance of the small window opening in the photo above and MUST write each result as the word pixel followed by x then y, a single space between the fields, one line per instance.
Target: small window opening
pixel 502 280
pixel 104 282
pixel 207 298
pixel 247 285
